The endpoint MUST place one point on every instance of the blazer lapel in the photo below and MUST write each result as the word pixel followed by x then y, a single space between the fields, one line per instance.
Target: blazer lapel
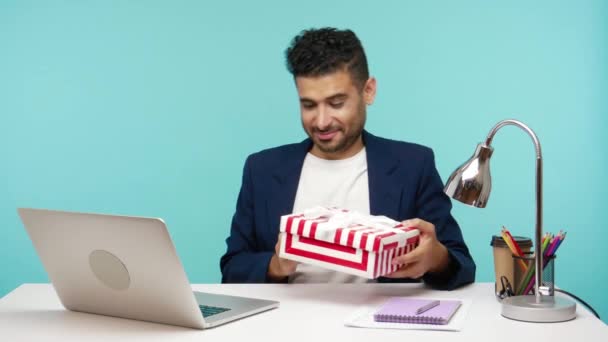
pixel 384 188
pixel 284 183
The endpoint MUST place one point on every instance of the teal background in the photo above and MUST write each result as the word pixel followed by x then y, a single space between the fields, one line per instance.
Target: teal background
pixel 151 107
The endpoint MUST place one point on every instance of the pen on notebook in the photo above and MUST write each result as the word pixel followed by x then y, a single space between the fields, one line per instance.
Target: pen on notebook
pixel 427 307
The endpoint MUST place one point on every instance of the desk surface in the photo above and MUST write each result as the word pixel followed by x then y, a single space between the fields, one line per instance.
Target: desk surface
pixel 308 312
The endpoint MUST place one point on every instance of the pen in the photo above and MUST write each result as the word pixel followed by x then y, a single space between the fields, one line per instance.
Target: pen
pixel 427 307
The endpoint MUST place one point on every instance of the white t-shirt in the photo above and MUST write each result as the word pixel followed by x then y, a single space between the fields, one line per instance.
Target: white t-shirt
pixel 341 183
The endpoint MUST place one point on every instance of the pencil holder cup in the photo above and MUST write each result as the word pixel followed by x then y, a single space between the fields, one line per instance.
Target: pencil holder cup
pixel 503 264
pixel 524 275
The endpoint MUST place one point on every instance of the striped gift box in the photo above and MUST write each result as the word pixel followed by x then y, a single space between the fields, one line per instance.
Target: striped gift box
pixel 345 241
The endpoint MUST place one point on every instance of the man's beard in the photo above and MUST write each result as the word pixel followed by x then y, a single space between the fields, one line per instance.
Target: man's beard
pixel 346 142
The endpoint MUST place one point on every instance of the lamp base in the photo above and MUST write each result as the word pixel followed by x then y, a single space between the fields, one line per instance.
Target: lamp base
pixel 550 309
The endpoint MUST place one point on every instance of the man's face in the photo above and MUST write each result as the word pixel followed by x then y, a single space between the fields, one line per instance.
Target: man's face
pixel 333 109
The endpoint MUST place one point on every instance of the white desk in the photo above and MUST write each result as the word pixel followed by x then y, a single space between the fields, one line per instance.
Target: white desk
pixel 312 313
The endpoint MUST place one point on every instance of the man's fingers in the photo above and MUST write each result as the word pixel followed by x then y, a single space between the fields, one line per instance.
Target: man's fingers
pixel 288 266
pixel 407 271
pixel 422 225
pixel 414 256
pixel 277 246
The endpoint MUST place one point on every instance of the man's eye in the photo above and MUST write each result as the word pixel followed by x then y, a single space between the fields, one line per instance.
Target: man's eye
pixel 308 105
pixel 336 104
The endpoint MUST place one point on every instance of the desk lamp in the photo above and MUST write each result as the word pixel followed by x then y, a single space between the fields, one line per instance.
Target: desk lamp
pixel 470 184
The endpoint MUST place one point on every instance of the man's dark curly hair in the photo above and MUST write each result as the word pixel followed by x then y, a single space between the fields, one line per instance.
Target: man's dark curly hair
pixel 317 52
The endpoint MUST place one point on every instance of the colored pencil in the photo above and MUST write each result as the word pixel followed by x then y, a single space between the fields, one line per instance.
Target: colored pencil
pixel 550 253
pixel 530 274
pixel 514 247
pixel 551 250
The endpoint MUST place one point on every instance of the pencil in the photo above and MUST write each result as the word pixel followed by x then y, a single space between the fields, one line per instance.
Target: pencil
pixel 514 247
pixel 519 251
pixel 523 285
pixel 552 246
pixel 549 253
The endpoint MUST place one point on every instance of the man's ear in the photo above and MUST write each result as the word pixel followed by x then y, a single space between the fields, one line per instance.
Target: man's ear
pixel 369 90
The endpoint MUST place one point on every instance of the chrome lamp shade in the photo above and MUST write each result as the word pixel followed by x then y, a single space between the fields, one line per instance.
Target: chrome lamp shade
pixel 471 184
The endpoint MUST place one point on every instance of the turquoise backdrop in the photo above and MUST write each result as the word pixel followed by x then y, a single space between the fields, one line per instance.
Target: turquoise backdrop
pixel 151 107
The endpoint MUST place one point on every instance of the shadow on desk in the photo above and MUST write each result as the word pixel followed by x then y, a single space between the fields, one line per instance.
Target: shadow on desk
pixel 354 294
pixel 57 321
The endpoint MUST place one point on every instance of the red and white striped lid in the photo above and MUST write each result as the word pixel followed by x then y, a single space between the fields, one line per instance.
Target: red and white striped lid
pixel 349 228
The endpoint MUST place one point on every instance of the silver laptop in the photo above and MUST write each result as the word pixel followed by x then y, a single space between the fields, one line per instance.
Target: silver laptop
pixel 125 267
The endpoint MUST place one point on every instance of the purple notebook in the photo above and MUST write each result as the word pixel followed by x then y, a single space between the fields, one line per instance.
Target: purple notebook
pixel 403 310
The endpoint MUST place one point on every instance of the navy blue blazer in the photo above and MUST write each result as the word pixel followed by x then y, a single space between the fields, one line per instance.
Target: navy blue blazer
pixel 403 184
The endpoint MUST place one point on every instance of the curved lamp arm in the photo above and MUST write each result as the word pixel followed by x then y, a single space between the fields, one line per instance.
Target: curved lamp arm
pixel 539 197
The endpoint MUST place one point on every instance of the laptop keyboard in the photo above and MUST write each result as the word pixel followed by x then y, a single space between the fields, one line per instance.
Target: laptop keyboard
pixel 207 310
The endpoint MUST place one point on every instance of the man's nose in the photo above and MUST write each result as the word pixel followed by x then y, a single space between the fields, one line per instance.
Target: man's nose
pixel 323 120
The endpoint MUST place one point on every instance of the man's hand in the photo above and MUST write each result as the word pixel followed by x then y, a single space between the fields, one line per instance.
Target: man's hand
pixel 280 268
pixel 430 255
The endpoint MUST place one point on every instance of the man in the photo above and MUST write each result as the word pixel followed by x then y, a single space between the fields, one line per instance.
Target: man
pixel 341 164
